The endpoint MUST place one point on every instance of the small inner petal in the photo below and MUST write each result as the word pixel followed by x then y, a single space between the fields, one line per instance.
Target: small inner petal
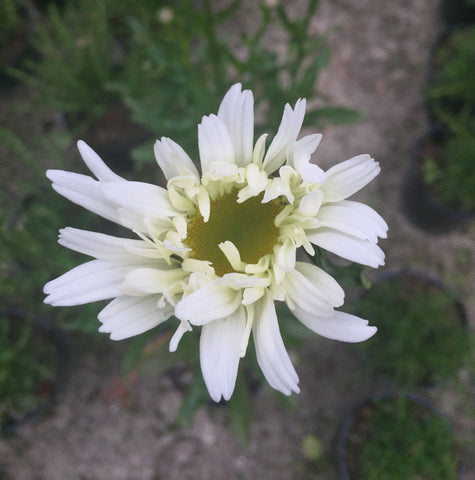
pixel 249 225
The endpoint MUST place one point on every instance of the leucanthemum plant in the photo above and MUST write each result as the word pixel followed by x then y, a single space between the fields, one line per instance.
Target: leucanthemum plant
pixel 215 250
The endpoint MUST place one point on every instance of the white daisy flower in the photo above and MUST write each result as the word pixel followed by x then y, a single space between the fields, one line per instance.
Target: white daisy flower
pixel 216 250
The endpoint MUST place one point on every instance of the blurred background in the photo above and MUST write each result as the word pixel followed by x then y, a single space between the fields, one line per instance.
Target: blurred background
pixel 392 79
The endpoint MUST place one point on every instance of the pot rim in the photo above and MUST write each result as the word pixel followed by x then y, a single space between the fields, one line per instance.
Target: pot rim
pixel 427 277
pixel 349 419
pixel 446 218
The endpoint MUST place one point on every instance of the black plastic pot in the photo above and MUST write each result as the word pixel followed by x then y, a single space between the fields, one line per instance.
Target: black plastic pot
pixel 429 279
pixel 47 392
pixel 345 459
pixel 419 206
pixel 381 353
pixel 434 66
pixel 454 12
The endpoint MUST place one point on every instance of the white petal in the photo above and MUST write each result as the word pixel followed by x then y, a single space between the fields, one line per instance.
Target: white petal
pixel 278 187
pixel 270 350
pixel 139 197
pixel 209 303
pixel 84 191
pixel 286 135
pixel 127 316
pixel 256 183
pixel 348 177
pixel 179 200
pixel 148 250
pixel 256 179
pixel 105 247
pixel 323 281
pixel 217 170
pixel 354 218
pixel 95 164
pixel 139 223
pixel 302 153
pixel 178 335
pixel 204 204
pixel 232 255
pixel 181 226
pixel 341 326
pixel 279 275
pixel 194 265
pixel 305 295
pixel 174 244
pixel 173 160
pixel 214 142
pixel 259 150
pixel 348 246
pixel 152 280
pixel 241 280
pixel 249 310
pixel 286 255
pixel 237 113
pixel 310 203
pixel 220 351
pixel 252 294
pixel 89 282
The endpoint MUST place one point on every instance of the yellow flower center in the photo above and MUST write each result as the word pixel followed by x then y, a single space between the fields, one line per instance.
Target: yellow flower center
pixel 249 225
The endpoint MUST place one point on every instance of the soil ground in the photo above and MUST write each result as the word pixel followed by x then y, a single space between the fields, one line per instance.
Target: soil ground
pixel 98 430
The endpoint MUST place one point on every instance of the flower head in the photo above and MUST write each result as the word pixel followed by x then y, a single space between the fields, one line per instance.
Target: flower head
pixel 216 250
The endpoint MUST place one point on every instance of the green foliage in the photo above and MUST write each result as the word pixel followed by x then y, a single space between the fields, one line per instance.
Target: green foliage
pixel 458 186
pixel 450 174
pixel 420 337
pixel 15 146
pixel 29 256
pixel 352 275
pixel 10 20
pixel 157 85
pixel 431 172
pixel 21 372
pixel 196 394
pixel 172 62
pixel 76 59
pixel 148 354
pixel 195 397
pixel 403 441
pixel 334 115
pixel 169 63
pixel 240 409
pixel 452 89
pixel 452 98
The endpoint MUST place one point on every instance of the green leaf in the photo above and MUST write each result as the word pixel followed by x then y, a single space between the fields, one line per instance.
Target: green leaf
pixel 134 351
pixel 350 276
pixel 240 410
pixel 16 146
pixel 336 115
pixel 196 396
pixel 142 155
pixel 365 281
